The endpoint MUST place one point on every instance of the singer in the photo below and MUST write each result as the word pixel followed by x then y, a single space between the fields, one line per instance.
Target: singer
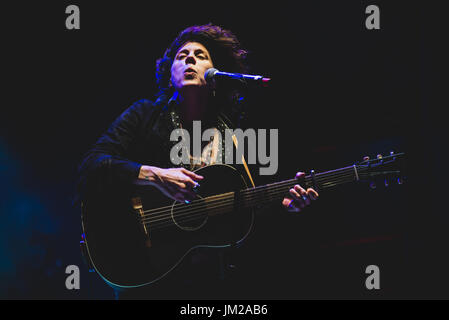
pixel 135 150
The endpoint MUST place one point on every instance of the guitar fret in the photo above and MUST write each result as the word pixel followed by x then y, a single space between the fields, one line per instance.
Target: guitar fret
pixel 268 193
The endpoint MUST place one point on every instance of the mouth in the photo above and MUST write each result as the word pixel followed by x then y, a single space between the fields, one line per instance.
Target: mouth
pixel 189 70
pixel 190 74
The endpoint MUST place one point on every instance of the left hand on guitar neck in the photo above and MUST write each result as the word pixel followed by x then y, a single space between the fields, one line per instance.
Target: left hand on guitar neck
pixel 299 198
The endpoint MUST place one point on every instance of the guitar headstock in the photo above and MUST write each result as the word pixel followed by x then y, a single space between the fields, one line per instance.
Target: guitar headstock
pixel 388 169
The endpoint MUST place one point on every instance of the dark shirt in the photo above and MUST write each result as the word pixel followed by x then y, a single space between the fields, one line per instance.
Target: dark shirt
pixel 141 136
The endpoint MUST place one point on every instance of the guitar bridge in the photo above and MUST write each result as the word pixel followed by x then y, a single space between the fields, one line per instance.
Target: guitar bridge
pixel 136 203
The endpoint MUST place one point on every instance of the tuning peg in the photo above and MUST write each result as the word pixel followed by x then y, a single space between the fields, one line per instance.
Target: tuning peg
pixel 400 181
pixel 392 155
pixel 365 158
pixel 379 156
pixel 386 183
pixel 372 185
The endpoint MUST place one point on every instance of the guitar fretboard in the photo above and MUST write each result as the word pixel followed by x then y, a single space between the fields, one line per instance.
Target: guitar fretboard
pixel 265 194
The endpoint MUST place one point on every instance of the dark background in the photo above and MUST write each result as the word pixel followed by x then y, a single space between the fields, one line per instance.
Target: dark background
pixel 339 92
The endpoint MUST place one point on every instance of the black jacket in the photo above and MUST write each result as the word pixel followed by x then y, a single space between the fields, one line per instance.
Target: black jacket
pixel 139 136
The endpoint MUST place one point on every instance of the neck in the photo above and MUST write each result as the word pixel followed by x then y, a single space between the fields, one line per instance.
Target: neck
pixel 194 104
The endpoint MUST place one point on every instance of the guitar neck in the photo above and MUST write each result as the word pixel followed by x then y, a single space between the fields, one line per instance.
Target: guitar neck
pixel 265 194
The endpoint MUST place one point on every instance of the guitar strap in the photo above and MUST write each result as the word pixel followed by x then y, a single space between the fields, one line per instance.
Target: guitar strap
pixel 234 139
pixel 244 162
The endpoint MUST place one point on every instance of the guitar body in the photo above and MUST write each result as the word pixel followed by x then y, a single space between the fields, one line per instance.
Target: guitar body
pixel 133 242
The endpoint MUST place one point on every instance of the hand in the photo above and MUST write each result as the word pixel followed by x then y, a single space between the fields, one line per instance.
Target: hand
pixel 299 198
pixel 175 183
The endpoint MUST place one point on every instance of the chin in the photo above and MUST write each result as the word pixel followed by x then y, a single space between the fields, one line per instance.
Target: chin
pixel 192 83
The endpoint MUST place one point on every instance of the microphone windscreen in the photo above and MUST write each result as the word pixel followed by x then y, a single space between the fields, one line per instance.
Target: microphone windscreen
pixel 209 74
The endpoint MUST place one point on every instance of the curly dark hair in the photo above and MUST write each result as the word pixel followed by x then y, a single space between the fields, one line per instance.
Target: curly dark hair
pixel 222 44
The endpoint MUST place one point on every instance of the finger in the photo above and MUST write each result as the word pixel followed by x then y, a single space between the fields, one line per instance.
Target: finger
pixel 300 175
pixel 189 182
pixel 178 197
pixel 191 174
pixel 181 185
pixel 303 194
pixel 286 202
pixel 312 194
pixel 299 201
pixel 188 193
pixel 289 205
pixel 185 196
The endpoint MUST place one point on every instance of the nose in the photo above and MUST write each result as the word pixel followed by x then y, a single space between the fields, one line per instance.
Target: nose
pixel 190 59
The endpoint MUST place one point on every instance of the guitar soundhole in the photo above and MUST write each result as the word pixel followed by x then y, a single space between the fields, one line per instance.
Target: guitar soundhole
pixel 189 217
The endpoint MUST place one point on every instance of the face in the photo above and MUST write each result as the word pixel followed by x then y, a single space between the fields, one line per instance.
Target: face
pixel 189 66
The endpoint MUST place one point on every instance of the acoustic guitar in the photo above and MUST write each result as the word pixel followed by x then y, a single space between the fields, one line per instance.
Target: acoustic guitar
pixel 135 241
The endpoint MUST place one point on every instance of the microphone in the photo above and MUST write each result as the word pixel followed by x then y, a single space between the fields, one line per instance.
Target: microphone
pixel 212 74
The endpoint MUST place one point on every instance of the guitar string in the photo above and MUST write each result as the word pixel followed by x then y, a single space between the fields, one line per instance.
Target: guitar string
pixel 228 197
pixel 318 177
pixel 253 196
pixel 252 190
pixel 223 208
pixel 218 207
pixel 245 195
pixel 226 202
pixel 191 217
pixel 170 222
